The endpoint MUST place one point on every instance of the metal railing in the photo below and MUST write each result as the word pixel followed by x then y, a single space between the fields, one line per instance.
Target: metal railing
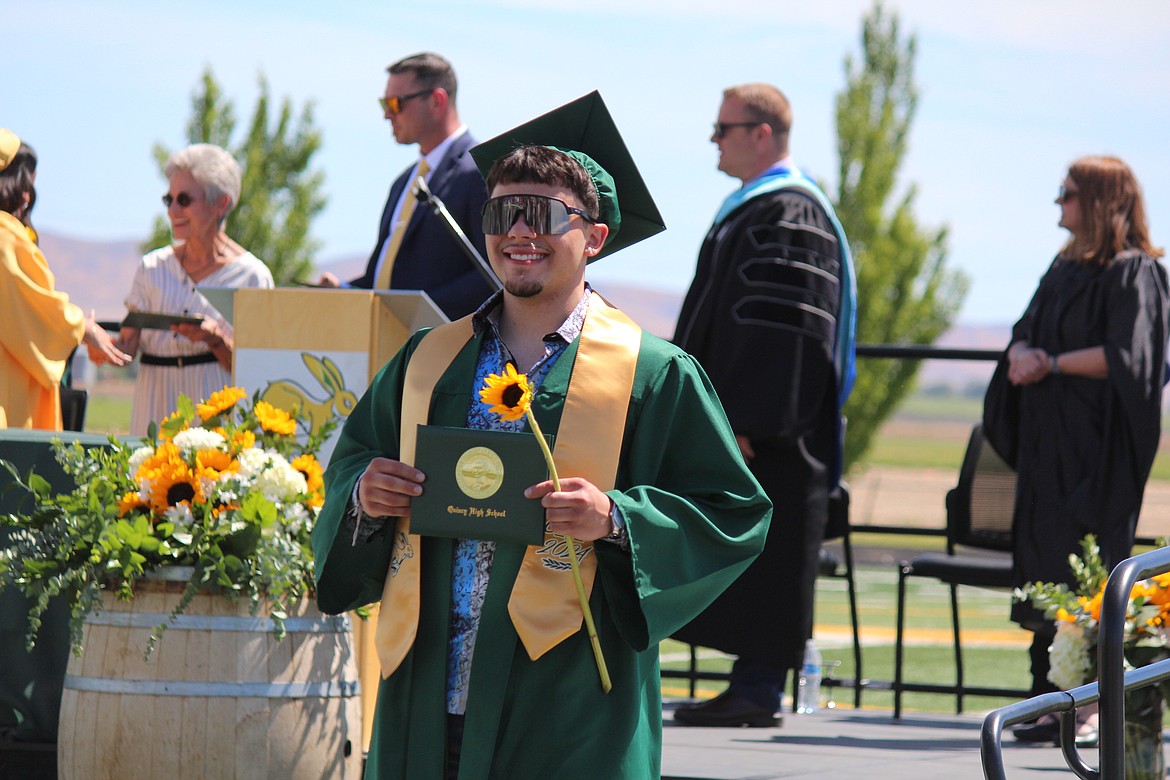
pixel 1110 690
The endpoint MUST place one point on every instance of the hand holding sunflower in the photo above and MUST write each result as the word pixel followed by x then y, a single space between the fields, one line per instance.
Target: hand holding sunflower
pixel 509 395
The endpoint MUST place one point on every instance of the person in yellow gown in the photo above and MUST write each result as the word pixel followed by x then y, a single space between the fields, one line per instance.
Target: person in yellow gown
pixel 39 327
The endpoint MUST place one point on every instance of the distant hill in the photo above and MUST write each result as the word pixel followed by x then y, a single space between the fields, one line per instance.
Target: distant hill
pixel 97 275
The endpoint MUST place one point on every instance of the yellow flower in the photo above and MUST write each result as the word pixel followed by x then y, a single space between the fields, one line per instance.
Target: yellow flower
pixel 165 457
pixel 173 486
pixel 212 463
pixel 275 420
pixel 128 503
pixel 219 402
pixel 241 440
pixel 509 395
pixel 1093 605
pixel 171 421
pixel 1064 615
pixel 314 478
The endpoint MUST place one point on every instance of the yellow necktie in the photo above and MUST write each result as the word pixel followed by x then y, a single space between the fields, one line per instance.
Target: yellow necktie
pixel 404 215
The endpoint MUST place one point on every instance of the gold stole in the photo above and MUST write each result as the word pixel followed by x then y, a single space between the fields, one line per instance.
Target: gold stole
pixel 543 605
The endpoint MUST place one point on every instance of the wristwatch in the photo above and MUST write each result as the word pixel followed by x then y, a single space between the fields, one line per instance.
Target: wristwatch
pixel 618 534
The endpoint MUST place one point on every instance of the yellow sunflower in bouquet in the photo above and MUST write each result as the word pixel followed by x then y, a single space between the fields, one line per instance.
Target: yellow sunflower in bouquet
pixel 227 488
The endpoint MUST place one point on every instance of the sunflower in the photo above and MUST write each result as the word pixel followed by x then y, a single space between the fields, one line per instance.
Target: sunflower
pixel 314 477
pixel 508 395
pixel 212 463
pixel 219 402
pixel 241 440
pixel 164 458
pixel 175 485
pixel 274 420
pixel 129 502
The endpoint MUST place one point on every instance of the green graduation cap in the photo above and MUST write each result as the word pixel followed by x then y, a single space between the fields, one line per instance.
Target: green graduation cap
pixel 585 126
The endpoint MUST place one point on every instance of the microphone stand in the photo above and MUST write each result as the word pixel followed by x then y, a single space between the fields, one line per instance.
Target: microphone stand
pixel 425 196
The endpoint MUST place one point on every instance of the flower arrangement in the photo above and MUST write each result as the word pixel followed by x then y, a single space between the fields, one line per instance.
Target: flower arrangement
pixel 1077 612
pixel 509 395
pixel 219 486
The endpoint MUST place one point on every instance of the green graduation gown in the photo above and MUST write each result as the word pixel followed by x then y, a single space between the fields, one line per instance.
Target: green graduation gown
pixel 695 516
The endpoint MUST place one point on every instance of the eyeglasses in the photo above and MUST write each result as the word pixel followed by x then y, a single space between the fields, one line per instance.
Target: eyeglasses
pixel 721 128
pixel 1064 195
pixel 393 105
pixel 183 199
pixel 546 216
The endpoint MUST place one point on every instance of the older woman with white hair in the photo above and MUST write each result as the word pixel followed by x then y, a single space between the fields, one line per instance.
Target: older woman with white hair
pixel 195 360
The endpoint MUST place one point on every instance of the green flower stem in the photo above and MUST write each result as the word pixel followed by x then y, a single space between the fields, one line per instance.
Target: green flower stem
pixel 606 685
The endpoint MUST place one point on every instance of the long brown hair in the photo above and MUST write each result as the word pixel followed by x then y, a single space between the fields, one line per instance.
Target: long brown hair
pixel 16 181
pixel 1113 212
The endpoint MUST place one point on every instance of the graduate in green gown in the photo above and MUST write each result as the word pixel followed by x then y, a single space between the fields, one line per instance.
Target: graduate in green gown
pixel 487 671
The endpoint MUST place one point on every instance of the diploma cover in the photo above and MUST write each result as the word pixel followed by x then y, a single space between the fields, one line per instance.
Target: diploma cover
pixel 475 485
pixel 153 320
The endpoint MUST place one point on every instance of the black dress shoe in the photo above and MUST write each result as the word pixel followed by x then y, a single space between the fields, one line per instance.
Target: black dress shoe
pixel 727 710
pixel 1046 729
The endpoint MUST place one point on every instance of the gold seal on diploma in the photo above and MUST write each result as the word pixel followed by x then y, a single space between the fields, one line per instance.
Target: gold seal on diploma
pixel 479 472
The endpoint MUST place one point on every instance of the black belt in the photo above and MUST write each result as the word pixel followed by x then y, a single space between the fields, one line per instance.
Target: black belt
pixel 179 360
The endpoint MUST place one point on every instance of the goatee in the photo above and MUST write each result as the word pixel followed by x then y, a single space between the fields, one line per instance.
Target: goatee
pixel 523 288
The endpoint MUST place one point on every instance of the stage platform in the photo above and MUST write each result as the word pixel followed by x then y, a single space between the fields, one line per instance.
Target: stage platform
pixel 848 744
pixel 838 744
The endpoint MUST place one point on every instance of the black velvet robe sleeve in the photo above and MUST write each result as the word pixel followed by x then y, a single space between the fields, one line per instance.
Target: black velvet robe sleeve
pixel 761 314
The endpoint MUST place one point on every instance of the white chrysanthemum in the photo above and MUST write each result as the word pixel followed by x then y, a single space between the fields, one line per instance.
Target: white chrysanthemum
pixel 228 491
pixel 280 481
pixel 253 461
pixel 192 440
pixel 138 457
pixel 297 518
pixel 181 516
pixel 1069 656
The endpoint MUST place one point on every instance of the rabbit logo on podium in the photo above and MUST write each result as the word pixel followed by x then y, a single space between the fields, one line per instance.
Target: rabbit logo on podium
pixel 338 400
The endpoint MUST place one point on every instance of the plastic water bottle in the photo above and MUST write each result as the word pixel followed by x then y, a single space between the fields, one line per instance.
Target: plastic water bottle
pixel 808 691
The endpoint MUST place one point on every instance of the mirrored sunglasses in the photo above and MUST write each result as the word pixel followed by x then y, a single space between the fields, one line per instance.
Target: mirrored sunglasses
pixel 393 104
pixel 546 216
pixel 1065 195
pixel 183 199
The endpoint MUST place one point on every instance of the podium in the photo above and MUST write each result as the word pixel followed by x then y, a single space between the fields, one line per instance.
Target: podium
pixel 320 349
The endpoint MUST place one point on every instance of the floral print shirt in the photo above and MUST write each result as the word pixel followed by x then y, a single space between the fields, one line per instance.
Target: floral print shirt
pixel 473 559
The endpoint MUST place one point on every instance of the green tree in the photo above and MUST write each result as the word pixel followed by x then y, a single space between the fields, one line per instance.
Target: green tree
pixel 280 194
pixel 905 292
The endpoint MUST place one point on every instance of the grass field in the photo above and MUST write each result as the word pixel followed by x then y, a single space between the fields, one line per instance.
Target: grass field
pixel 930 431
pixel 995 649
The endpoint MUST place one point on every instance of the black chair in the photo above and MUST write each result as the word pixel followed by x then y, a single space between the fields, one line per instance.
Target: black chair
pixel 979 544
pixel 831 565
pixel 73 402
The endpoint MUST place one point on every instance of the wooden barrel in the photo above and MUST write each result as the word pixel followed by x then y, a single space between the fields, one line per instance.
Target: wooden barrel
pixel 219 698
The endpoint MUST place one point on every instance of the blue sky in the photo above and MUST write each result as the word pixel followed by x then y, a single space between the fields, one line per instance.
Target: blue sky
pixel 1011 92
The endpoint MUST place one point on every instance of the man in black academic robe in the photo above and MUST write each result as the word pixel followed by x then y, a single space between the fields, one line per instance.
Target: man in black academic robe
pixel 770 317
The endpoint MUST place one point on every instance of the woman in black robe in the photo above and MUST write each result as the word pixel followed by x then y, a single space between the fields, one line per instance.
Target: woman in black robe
pixel 1086 364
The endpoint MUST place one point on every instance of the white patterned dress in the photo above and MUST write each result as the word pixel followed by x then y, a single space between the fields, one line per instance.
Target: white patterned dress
pixel 161 285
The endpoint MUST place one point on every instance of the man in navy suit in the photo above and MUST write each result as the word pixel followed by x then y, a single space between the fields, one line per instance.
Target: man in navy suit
pixel 419 101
